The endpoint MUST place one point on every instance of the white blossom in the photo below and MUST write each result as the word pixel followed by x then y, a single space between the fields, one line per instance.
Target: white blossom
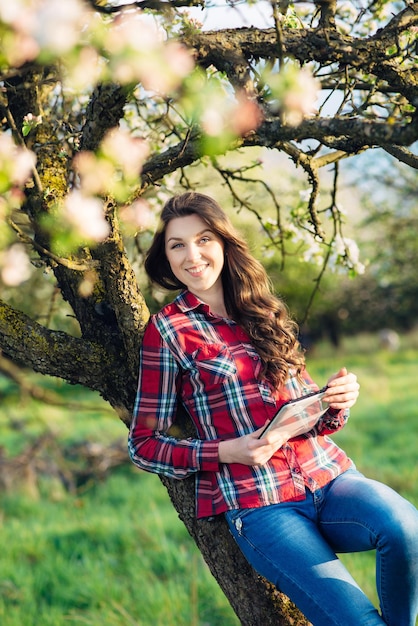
pixel 86 215
pixel 346 254
pixel 305 194
pixel 57 25
pixel 15 266
pixel 313 253
pixel 15 163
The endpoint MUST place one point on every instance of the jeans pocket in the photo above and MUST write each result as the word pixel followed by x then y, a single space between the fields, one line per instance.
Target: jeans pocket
pixel 235 519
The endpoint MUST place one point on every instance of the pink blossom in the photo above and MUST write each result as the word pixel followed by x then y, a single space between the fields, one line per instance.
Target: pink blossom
pixel 86 215
pixel 86 71
pixel 127 152
pixel 299 100
pixel 42 24
pixel 15 265
pixel 246 115
pixel 178 61
pixel 19 47
pixel 138 215
pixel 222 115
pixel 57 25
pixel 138 32
pixel 23 164
pixel 96 174
pixel 15 162
pixel 138 52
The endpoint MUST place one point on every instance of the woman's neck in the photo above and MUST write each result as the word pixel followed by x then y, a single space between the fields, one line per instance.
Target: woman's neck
pixel 215 302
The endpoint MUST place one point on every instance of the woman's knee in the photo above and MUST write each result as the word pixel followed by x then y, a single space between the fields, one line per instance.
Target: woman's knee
pixel 399 528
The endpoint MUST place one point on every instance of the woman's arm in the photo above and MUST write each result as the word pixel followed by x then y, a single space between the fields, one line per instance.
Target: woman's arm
pixel 249 449
pixel 150 446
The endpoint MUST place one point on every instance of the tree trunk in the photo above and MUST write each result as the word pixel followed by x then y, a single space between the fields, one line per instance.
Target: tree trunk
pixel 255 601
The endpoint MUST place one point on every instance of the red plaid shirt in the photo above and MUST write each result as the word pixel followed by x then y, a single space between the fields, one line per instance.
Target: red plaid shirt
pixel 208 364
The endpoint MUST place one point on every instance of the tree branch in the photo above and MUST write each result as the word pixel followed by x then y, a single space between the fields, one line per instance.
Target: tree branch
pixel 48 352
pixel 403 155
pixel 27 388
pixel 104 112
pixel 78 266
pixel 345 135
pixel 73 359
pixel 122 293
pixel 327 9
pixel 325 46
pixel 159 165
pixel 348 134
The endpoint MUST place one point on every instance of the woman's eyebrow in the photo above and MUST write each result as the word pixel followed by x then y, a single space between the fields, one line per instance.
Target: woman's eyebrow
pixel 206 230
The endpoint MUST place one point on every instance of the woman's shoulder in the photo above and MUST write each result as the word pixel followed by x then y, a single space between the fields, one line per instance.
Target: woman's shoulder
pixel 165 324
pixel 173 314
pixel 167 310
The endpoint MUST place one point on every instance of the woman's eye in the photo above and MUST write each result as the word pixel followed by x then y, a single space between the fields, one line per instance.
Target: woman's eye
pixel 204 240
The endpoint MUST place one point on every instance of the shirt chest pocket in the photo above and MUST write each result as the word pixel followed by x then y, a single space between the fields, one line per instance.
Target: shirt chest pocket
pixel 212 365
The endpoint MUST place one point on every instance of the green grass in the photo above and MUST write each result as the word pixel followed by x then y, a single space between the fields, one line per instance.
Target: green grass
pixel 116 553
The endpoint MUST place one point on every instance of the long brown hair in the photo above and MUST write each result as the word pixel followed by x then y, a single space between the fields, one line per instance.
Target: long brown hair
pixel 249 299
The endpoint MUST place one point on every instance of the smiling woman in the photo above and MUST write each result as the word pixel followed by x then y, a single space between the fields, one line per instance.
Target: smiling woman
pixel 226 352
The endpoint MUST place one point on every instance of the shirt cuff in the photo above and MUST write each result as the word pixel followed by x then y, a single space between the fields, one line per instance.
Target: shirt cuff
pixel 208 456
pixel 336 418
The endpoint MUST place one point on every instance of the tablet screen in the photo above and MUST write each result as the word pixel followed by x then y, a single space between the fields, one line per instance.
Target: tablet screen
pixel 296 417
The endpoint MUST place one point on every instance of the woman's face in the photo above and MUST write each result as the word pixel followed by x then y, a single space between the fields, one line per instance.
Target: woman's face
pixel 195 254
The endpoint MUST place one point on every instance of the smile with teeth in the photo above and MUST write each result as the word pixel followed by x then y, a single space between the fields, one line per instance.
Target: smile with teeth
pixel 196 271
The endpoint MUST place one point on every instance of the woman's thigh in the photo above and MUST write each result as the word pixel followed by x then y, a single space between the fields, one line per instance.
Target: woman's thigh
pixel 359 514
pixel 283 543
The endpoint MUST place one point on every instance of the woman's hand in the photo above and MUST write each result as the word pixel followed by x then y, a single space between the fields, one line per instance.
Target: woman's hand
pixel 249 449
pixel 342 393
pixel 343 390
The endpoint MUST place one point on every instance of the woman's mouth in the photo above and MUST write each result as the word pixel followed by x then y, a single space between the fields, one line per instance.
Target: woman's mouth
pixel 197 271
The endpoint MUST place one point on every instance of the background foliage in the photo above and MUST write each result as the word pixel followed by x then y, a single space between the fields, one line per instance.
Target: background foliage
pixel 303 123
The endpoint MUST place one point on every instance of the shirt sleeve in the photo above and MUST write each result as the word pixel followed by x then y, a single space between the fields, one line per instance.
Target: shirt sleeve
pixel 150 445
pixel 332 421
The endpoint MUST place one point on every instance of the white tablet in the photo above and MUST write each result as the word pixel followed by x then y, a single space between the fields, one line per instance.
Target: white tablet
pixel 298 416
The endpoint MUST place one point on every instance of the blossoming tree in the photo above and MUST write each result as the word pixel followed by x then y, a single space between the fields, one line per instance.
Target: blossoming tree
pixel 103 103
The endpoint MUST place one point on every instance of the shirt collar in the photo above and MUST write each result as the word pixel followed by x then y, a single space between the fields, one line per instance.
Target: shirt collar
pixel 187 301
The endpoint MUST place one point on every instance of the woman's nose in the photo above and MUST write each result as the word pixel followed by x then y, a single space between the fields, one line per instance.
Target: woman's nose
pixel 193 253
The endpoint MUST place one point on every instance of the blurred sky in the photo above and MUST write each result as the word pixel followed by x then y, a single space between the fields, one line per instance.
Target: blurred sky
pixel 220 15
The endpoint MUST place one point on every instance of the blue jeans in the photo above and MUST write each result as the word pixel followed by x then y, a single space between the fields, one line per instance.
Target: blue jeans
pixel 294 546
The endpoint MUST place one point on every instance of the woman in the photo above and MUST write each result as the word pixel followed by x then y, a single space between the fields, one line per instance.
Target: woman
pixel 226 350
